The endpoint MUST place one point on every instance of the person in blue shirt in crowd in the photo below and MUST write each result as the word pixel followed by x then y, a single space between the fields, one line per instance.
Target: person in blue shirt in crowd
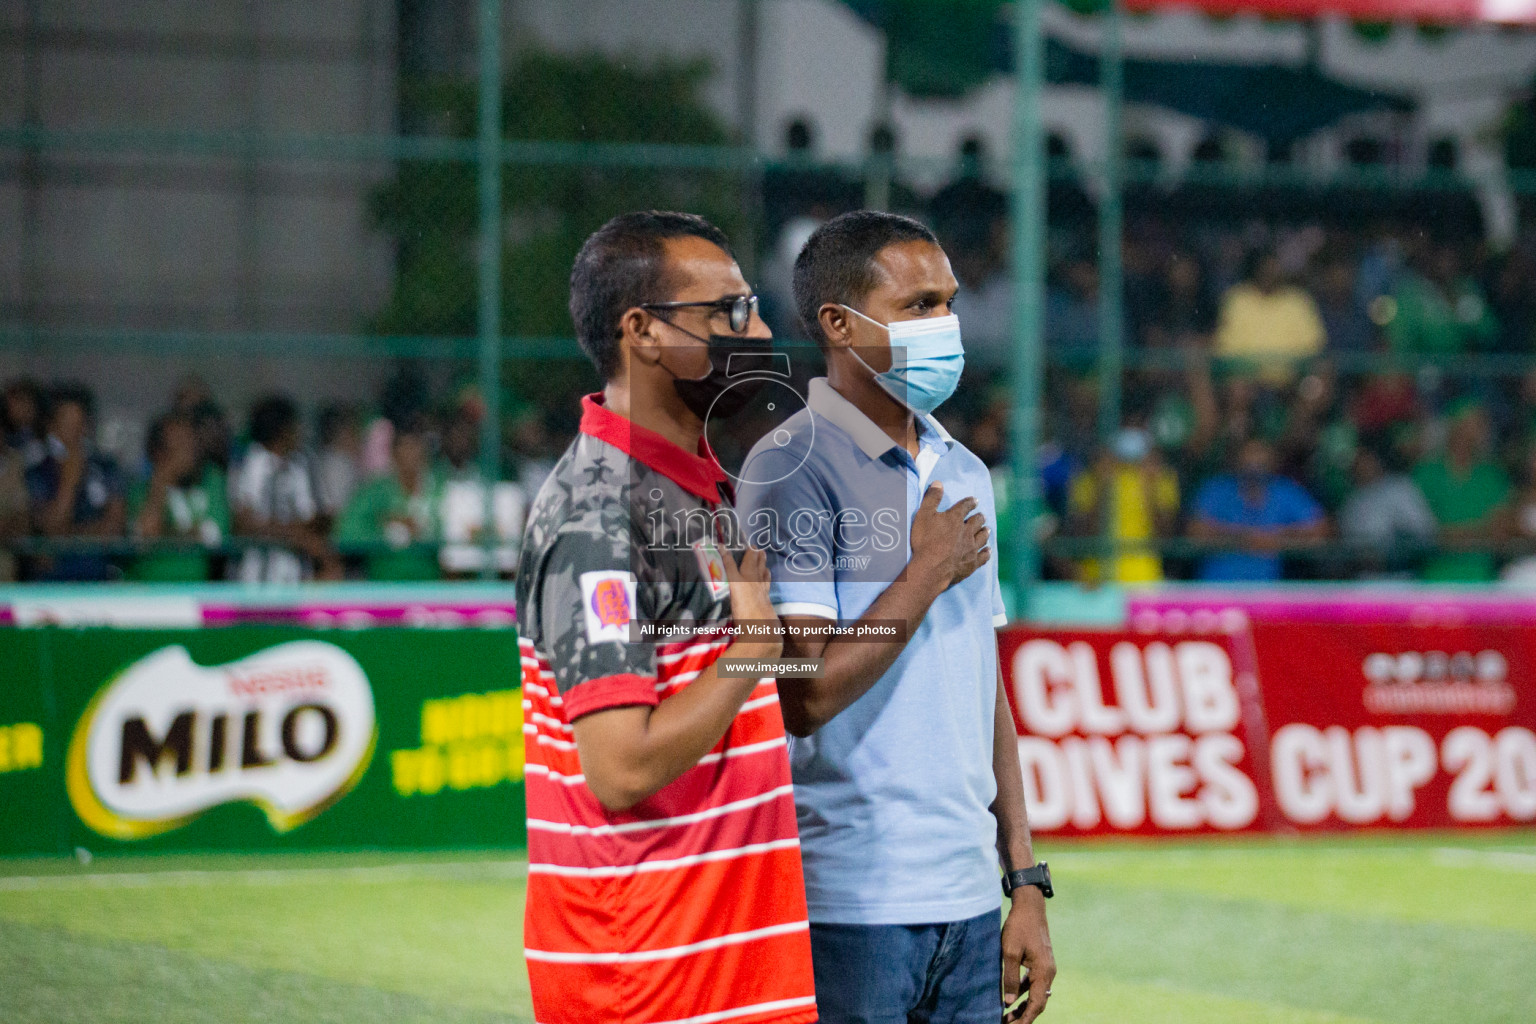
pixel 1257 509
pixel 76 491
pixel 903 750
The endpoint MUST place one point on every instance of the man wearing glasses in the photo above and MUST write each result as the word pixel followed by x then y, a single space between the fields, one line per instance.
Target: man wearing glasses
pixel 664 875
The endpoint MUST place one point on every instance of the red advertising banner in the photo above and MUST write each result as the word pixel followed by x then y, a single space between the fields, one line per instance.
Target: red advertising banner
pixel 1440 11
pixel 1215 723
pixel 1136 733
pixel 1397 725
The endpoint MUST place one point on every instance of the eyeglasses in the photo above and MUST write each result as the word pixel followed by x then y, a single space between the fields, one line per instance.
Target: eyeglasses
pixel 740 308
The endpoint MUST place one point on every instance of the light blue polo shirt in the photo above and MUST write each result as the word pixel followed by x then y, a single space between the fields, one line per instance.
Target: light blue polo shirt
pixel 893 794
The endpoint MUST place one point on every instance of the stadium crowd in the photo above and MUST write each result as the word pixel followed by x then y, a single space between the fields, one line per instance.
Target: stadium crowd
pixel 1321 393
pixel 1317 385
pixel 397 495
pixel 1329 393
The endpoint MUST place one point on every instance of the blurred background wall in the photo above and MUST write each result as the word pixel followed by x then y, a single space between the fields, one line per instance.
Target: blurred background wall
pixel 282 197
pixel 147 232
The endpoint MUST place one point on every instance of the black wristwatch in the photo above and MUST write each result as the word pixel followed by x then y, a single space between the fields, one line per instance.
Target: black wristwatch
pixel 1039 875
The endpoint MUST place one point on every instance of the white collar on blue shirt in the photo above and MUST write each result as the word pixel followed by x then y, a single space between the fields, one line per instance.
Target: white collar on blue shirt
pixel 824 401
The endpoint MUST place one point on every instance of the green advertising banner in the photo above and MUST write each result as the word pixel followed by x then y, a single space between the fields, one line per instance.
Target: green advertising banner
pixel 31 817
pixel 259 738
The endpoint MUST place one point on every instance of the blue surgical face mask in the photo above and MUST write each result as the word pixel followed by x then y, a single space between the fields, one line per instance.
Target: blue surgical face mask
pixel 926 360
pixel 1131 445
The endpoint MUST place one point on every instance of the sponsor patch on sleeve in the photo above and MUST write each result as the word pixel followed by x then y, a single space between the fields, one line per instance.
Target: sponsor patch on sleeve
pixel 713 568
pixel 608 605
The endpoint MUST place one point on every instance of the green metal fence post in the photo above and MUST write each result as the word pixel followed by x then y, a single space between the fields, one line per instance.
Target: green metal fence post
pixel 489 316
pixel 1028 254
pixel 1111 277
pixel 747 39
pixel 1111 216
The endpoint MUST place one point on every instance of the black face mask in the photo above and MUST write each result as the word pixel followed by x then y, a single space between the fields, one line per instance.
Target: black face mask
pixel 726 389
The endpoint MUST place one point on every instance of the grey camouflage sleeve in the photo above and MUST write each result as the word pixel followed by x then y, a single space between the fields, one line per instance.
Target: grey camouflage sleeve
pixel 589 604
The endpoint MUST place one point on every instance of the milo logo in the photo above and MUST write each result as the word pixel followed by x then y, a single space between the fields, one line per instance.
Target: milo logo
pixel 289 729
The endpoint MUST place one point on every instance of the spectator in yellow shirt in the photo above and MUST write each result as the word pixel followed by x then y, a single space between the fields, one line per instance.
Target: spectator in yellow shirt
pixel 1130 488
pixel 1266 320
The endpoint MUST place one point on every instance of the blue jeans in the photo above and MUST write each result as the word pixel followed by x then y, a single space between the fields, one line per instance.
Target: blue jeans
pixel 909 973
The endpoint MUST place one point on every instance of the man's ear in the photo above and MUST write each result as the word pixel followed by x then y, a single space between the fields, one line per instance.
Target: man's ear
pixel 637 333
pixel 836 325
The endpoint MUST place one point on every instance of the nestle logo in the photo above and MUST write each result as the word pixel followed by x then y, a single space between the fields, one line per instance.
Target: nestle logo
pixel 295 679
pixel 1438 683
pixel 1435 667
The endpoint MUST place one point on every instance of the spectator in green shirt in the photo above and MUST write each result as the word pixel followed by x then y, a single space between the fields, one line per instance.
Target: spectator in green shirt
pixel 184 500
pixel 400 510
pixel 1469 496
pixel 1440 310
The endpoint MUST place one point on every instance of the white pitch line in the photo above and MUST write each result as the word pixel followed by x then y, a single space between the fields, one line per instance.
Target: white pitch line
pixel 428 871
pixel 1106 859
pixel 1187 854
pixel 1506 860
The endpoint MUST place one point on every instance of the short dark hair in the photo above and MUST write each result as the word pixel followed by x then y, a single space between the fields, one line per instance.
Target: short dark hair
pixel 333 418
pixel 207 411
pixel 797 136
pixel 1255 259
pixel 271 417
pixel 622 265
pixel 34 392
pixel 72 393
pixel 417 425
pixel 838 261
pixel 154 442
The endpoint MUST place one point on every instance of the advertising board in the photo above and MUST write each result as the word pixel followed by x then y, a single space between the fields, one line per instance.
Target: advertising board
pixel 1145 733
pixel 256 737
pixel 1397 725
pixel 1208 720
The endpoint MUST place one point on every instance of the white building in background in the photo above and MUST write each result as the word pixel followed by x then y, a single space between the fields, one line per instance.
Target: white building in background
pixel 817 60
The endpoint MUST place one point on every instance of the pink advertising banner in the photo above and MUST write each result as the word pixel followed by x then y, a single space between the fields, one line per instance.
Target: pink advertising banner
pixel 1507 12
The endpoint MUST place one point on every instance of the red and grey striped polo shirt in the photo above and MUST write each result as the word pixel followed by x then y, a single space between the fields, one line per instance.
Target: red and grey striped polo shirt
pixel 690 906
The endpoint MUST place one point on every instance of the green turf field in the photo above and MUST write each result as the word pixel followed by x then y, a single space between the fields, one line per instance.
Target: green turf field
pixel 1435 929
